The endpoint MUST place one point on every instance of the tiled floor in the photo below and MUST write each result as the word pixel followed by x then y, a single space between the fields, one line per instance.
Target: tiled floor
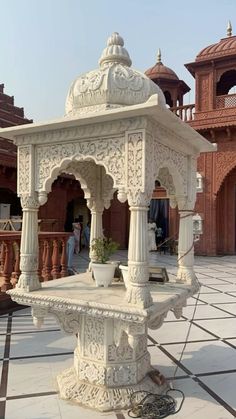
pixel 30 359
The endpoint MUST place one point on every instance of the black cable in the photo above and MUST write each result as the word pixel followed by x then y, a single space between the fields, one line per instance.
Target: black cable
pixel 147 405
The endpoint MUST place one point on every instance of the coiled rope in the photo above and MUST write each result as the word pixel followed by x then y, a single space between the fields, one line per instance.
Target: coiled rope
pixel 147 405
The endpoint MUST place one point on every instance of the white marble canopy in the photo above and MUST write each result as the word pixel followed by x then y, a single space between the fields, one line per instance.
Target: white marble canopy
pixel 117 135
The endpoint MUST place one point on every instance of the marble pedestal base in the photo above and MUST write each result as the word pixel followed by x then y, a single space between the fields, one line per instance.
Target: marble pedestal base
pixel 100 397
pixel 111 358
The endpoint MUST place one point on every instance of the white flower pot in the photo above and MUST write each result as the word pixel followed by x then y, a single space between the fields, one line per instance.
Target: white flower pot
pixel 103 273
pixel 124 271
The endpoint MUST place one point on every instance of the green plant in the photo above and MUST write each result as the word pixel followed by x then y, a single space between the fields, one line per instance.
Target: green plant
pixel 103 248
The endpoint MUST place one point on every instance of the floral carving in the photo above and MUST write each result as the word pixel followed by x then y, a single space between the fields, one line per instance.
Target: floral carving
pixel 176 163
pixel 107 189
pixel 138 273
pixel 92 372
pixel 109 153
pixel 125 78
pixel 23 167
pixel 192 192
pixel 122 375
pixel 149 165
pixel 68 321
pixel 90 82
pixel 122 352
pixel 29 201
pixel 103 399
pixel 85 172
pixel 94 338
pixel 29 263
pixel 83 132
pixel 134 161
pixel 139 295
pixel 166 180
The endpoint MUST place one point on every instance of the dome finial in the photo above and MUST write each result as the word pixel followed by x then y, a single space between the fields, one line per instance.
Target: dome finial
pixel 115 51
pixel 159 56
pixel 229 29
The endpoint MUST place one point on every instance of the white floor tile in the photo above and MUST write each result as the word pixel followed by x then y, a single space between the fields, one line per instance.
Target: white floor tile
pixel 223 385
pixel 222 327
pixel 2 345
pixel 163 363
pixel 198 403
pixel 207 290
pixel 33 408
pixel 3 325
pixel 192 301
pixel 171 317
pixel 40 343
pixel 202 357
pixel 231 341
pixel 223 287
pixel 206 311
pixel 218 298
pixel 177 332
pixel 25 324
pixel 210 280
pixel 39 374
pixel 74 411
pixel 22 312
pixel 50 407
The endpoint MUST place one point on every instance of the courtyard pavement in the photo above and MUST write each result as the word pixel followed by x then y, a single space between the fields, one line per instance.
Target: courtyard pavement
pixel 30 359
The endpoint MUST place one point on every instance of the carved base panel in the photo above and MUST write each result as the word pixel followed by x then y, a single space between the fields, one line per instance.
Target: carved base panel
pixel 100 397
pixel 28 282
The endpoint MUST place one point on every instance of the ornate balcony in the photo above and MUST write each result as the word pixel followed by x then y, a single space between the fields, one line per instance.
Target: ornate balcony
pixel 52 258
pixel 226 101
pixel 185 112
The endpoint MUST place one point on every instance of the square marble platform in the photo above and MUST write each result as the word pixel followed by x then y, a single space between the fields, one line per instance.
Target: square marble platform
pixel 206 373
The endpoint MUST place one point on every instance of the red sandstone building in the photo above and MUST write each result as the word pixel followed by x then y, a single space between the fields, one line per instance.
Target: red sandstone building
pixel 213 115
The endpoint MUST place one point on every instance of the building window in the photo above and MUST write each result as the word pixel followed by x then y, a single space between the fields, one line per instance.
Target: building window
pixel 197 224
pixel 199 183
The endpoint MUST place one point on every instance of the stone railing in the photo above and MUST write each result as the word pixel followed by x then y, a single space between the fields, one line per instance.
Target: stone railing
pixel 226 101
pixel 52 258
pixel 185 112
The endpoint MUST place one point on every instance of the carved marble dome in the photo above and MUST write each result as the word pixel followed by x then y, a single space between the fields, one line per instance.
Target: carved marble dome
pixel 160 71
pixel 224 48
pixel 114 84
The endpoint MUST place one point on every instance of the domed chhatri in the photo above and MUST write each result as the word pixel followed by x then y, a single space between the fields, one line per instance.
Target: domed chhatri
pixel 225 47
pixel 113 85
pixel 160 71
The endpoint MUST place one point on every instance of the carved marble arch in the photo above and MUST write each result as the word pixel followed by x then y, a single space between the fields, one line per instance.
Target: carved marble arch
pixel 107 152
pixel 171 180
pixel 88 173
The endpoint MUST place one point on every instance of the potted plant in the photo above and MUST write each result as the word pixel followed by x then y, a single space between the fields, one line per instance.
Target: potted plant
pixel 103 248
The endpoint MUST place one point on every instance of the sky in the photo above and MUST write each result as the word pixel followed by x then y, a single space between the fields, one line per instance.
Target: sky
pixel 46 44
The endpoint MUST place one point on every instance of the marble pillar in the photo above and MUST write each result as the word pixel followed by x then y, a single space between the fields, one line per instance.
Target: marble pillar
pixel 29 279
pixel 138 265
pixel 96 231
pixel 186 247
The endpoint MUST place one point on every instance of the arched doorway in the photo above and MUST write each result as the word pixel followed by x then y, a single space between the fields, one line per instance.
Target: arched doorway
pixel 226 215
pixel 159 209
pixel 62 206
